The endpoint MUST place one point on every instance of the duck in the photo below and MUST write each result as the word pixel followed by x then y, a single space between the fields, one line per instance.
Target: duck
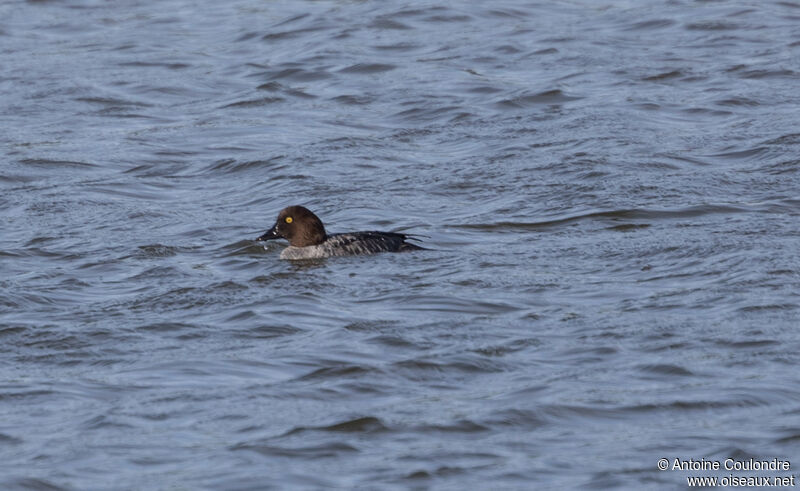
pixel 308 239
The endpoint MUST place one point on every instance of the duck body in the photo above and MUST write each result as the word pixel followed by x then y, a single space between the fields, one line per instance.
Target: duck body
pixel 351 244
pixel 308 240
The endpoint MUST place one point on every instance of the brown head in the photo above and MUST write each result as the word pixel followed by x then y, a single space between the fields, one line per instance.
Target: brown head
pixel 297 225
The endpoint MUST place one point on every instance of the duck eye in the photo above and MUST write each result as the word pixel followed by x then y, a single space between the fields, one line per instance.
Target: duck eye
pixel 288 219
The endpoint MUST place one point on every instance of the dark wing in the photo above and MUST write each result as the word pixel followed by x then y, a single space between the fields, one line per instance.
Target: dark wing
pixel 369 243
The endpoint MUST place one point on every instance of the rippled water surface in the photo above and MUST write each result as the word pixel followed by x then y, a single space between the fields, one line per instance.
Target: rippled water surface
pixel 610 193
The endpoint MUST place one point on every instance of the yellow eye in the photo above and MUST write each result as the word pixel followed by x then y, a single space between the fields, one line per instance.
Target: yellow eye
pixel 288 219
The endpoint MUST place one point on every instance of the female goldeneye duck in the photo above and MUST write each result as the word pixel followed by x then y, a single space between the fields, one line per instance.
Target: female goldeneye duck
pixel 308 240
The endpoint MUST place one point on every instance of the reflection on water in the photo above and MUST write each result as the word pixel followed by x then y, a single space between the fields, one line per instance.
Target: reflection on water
pixel 609 194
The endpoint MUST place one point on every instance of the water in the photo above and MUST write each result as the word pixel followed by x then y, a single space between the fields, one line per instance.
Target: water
pixel 610 195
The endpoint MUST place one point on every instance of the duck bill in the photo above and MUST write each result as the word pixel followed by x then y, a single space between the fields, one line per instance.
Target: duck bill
pixel 270 234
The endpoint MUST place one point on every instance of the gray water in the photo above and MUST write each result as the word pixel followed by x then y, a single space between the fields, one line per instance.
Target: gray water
pixel 610 193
